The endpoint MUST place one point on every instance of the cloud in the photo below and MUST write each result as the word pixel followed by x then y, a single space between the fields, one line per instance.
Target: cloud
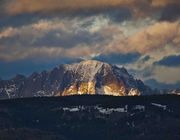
pixel 53 38
pixel 91 35
pixel 18 20
pixel 68 40
pixel 44 53
pixel 147 39
pixel 139 8
pixel 118 58
pixel 155 84
pixel 164 74
pixel 169 61
pixel 119 14
pixel 155 36
pixel 170 13
pixel 26 6
pixel 163 3
pixel 145 58
pixel 8 32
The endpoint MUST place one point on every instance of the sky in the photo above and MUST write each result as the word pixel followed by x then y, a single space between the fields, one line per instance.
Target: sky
pixel 140 35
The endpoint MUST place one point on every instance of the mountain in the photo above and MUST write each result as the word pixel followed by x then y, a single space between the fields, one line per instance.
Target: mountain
pixel 86 77
pixel 173 91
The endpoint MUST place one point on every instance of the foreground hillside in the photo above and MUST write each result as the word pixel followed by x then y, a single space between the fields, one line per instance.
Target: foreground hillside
pixel 91 118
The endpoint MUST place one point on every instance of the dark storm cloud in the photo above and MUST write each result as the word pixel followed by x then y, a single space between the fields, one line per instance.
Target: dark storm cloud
pixel 117 58
pixel 55 38
pixel 170 13
pixel 145 58
pixel 119 14
pixel 19 20
pixel 66 40
pixel 21 12
pixel 169 61
pixel 139 8
pixel 2 8
pixel 14 7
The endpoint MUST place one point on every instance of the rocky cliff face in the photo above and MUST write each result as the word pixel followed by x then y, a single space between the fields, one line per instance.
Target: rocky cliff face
pixel 86 77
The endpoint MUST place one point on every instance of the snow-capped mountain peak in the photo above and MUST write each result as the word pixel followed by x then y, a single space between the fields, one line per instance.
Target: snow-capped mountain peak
pixel 86 77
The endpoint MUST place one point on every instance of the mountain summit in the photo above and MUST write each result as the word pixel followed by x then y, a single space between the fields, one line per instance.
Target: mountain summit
pixel 86 77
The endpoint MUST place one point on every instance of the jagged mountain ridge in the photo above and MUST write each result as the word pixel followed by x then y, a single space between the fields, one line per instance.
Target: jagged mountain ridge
pixel 86 77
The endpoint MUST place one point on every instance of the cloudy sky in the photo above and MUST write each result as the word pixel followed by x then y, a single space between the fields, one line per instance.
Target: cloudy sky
pixel 141 35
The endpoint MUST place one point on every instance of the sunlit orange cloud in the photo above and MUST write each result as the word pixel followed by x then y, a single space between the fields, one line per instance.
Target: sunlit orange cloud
pixel 8 32
pixel 31 6
pixel 163 3
pixel 138 7
pixel 155 37
pixel 152 38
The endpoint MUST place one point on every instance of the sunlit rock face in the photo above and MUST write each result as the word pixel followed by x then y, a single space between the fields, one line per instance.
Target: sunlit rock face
pixel 95 77
pixel 87 77
pixel 134 92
